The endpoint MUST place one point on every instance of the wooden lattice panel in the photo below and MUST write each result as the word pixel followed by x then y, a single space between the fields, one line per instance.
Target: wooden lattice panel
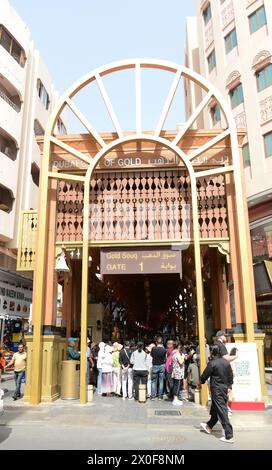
pixel 154 205
pixel 27 241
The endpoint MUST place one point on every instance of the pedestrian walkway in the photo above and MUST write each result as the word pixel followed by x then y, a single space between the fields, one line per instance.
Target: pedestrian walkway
pixel 113 410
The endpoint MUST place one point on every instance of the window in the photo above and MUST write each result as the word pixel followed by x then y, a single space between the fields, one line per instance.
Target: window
pixel 61 127
pixel 211 61
pixel 268 144
pixel 257 20
pixel 246 155
pixel 207 14
pixel 38 129
pixel 8 147
pixel 231 41
pixel 43 95
pixel 237 95
pixel 12 46
pixel 6 199
pixel 216 114
pixel 261 241
pixel 264 77
pixel 35 173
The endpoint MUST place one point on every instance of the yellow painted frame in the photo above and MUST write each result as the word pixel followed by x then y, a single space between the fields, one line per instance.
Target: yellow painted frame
pixel 242 229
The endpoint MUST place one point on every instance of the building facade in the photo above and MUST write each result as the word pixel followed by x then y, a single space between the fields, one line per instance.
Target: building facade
pixel 229 42
pixel 27 97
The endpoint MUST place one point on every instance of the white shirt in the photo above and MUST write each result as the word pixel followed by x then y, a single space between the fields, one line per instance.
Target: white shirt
pixel 106 362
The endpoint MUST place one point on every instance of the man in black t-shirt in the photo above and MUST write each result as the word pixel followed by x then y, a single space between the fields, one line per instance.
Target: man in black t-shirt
pixel 158 354
pixel 219 372
pixel 220 342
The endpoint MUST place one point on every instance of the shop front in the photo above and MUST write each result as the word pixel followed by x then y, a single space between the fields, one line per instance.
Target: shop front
pixel 15 309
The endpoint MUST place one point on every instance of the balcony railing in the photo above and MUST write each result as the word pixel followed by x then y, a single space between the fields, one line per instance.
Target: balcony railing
pixel 8 100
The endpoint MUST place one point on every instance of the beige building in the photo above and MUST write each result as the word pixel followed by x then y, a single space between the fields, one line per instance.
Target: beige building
pixel 27 97
pixel 230 43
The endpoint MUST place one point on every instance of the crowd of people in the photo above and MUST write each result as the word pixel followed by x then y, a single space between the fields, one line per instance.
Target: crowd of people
pixel 118 369
pixel 172 370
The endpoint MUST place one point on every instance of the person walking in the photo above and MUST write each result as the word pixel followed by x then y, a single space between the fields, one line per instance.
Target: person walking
pixel 221 379
pixel 168 368
pixel 148 350
pixel 101 351
pixel 177 373
pixel 193 377
pixel 106 365
pixel 90 361
pixel 139 361
pixel 116 369
pixel 158 355
pixel 126 371
pixel 19 362
pixel 220 342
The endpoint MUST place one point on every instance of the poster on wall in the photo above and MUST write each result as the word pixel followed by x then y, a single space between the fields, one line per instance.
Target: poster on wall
pixel 246 386
pixel 14 301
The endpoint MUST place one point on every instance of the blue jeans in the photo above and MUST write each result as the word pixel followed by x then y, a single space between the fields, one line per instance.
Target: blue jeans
pixel 157 374
pixel 18 377
pixel 99 380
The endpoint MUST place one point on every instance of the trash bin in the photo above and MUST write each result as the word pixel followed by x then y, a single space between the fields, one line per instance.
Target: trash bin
pixel 70 380
pixel 142 393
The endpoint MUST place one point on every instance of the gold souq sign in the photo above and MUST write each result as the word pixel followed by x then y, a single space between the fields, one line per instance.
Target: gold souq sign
pixel 144 261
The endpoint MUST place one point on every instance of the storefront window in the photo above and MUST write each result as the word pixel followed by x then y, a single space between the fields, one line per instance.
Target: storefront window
pixel 261 241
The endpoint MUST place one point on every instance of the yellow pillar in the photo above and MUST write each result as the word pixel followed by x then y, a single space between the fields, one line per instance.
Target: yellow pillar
pixel 39 291
pixel 84 294
pixel 199 290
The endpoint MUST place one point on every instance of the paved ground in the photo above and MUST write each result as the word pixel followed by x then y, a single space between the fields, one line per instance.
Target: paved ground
pixel 113 423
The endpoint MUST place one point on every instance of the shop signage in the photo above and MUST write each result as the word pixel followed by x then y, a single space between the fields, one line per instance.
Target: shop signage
pixel 134 162
pixel 147 261
pixel 246 386
pixel 14 301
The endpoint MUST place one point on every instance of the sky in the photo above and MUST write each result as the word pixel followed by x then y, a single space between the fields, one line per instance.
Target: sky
pixel 76 36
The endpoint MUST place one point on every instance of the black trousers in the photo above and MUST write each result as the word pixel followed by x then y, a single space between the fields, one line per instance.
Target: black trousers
pixel 139 376
pixel 169 384
pixel 219 410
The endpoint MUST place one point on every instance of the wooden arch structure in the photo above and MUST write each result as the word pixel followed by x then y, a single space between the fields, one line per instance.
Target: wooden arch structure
pixel 50 176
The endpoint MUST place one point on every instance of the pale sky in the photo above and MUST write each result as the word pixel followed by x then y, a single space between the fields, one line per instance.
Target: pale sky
pixel 76 36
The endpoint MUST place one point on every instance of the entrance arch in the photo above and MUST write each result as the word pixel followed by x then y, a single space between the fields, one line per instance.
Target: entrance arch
pixel 50 175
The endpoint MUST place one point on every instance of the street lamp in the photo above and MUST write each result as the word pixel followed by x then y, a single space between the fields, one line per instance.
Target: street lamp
pixel 61 266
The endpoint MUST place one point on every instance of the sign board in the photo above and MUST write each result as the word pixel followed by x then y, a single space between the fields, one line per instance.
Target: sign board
pixel 14 301
pixel 145 261
pixel 246 386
